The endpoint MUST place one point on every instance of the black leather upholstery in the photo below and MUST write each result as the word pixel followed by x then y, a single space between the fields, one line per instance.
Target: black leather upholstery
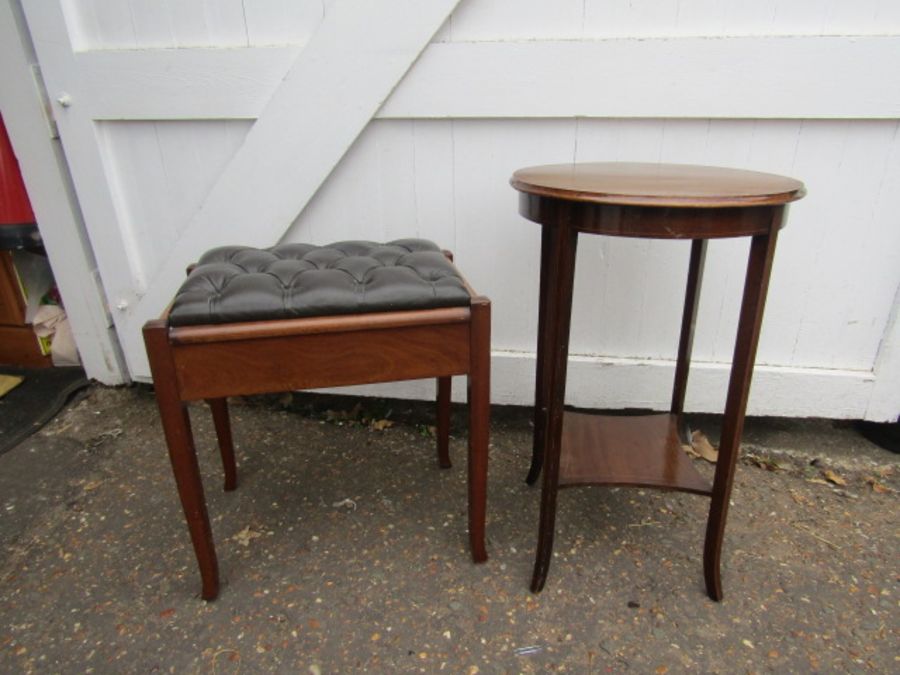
pixel 238 283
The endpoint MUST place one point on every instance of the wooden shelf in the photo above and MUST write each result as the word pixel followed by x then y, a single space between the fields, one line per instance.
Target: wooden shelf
pixel 639 451
pixel 18 344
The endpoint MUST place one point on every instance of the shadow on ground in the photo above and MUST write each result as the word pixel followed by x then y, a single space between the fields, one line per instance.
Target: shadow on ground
pixel 344 549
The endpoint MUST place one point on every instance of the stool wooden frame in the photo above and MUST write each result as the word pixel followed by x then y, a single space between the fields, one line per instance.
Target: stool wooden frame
pixel 648 201
pixel 214 361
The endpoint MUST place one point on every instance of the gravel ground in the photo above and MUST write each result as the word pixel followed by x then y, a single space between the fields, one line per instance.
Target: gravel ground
pixel 344 550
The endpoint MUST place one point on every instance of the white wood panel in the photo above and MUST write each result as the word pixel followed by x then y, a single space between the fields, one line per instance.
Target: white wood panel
pixel 189 27
pixel 852 253
pixel 95 23
pixel 885 399
pixel 598 382
pixel 400 178
pixel 129 24
pixel 435 182
pixel 182 83
pixel 811 77
pixel 137 182
pixel 490 20
pixel 161 172
pixel 494 246
pixel 152 23
pixel 274 22
pixel 751 77
pixel 397 165
pixel 331 215
pixel 225 22
pixel 123 24
pixel 479 20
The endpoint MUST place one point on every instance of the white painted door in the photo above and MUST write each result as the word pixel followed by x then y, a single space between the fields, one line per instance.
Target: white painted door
pixel 192 124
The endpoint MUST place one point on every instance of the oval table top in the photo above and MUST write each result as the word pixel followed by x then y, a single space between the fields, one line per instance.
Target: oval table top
pixel 664 185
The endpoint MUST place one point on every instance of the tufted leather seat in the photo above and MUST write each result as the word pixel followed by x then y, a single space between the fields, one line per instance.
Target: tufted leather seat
pixel 239 283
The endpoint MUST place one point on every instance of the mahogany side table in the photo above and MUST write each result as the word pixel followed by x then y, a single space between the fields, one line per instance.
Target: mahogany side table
pixel 660 201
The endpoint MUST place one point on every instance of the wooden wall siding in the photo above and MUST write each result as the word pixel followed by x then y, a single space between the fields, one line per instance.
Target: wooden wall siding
pixel 168 158
pixel 489 20
pixel 130 24
pixel 732 77
pixel 161 173
pixel 138 24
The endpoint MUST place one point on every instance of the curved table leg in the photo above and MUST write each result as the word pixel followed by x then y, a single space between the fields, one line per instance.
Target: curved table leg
pixel 540 380
pixel 762 251
pixel 556 320
pixel 686 341
pixel 479 395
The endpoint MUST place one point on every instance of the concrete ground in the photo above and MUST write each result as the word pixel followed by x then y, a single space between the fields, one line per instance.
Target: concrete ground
pixel 344 550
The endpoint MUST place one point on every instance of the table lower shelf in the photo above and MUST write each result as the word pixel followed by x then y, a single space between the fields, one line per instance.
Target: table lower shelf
pixel 640 451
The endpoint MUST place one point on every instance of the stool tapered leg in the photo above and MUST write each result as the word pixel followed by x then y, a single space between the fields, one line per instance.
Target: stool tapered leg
pixel 557 315
pixel 177 428
pixel 442 428
pixel 219 408
pixel 762 251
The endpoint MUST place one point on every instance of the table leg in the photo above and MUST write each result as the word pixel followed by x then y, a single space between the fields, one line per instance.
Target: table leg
pixel 540 380
pixel 219 408
pixel 686 341
pixel 177 428
pixel 479 395
pixel 442 427
pixel 555 323
pixel 759 267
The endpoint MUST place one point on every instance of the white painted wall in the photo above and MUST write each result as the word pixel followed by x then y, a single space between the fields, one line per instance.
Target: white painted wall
pixel 168 160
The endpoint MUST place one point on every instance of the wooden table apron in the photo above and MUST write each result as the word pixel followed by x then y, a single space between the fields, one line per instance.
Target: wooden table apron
pixel 562 220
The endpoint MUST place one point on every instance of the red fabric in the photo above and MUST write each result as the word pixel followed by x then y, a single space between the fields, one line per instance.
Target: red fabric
pixel 15 209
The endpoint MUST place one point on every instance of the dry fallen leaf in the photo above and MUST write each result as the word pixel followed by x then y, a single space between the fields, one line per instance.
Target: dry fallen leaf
pixel 338 416
pixel 381 425
pixel 689 449
pixel 832 477
pixel 880 488
pixel 704 448
pixel 244 536
pixel 765 463
pixel 800 499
